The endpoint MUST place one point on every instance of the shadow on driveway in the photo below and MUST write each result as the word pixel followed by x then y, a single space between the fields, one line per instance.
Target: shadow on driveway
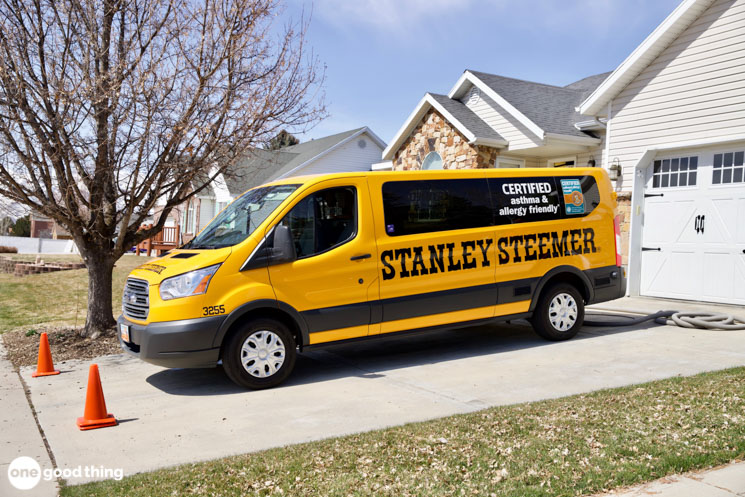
pixel 372 358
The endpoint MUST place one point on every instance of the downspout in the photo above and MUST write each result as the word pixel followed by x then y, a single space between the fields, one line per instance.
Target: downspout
pixel 606 162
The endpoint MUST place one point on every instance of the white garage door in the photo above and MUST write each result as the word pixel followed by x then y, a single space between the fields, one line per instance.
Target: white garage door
pixel 693 241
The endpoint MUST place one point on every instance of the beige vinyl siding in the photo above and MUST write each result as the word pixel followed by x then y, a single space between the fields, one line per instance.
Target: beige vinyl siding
pixel 348 157
pixel 596 153
pixel 534 162
pixel 695 89
pixel 528 161
pixel 502 122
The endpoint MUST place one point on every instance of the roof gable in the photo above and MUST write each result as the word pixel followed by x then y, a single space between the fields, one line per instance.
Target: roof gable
pixel 467 118
pixel 663 35
pixel 315 149
pixel 550 108
pixel 261 166
pixel 461 117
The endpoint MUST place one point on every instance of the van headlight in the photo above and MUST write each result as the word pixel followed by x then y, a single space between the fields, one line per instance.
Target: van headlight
pixel 187 284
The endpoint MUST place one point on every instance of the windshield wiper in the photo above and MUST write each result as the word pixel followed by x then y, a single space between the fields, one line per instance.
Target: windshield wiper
pixel 196 246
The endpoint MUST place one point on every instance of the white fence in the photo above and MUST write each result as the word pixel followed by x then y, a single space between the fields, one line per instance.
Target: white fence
pixel 39 245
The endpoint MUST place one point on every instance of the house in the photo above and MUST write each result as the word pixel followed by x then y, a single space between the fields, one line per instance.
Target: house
pixel 45 227
pixel 353 150
pixel 668 123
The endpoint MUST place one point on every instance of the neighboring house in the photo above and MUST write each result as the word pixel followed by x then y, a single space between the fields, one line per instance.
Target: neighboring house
pixel 669 121
pixel 354 150
pixel 44 227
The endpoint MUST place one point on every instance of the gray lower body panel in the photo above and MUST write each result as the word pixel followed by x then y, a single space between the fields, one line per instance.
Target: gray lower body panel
pixel 609 283
pixel 174 344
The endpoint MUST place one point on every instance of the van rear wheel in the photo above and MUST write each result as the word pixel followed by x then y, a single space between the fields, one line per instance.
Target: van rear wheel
pixel 560 312
pixel 260 355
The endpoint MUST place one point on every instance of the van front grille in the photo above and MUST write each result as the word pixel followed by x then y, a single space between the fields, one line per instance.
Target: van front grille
pixel 136 299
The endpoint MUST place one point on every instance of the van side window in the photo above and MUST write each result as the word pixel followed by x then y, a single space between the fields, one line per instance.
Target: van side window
pixel 542 198
pixel 323 220
pixel 425 206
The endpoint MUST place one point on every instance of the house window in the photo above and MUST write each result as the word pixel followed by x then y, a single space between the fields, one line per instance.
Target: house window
pixel 675 172
pixel 191 219
pixel 432 161
pixel 508 162
pixel 728 168
pixel 562 162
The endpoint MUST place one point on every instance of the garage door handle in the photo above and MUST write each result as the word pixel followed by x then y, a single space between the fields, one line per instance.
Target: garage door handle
pixel 360 257
pixel 698 224
pixel 647 249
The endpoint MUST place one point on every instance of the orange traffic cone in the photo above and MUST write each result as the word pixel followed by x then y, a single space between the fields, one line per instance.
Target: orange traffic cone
pixel 95 415
pixel 44 365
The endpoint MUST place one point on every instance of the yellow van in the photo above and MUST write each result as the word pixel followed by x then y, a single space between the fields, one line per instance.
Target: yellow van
pixel 315 260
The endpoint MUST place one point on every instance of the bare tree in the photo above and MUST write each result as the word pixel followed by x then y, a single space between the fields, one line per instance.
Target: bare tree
pixel 109 106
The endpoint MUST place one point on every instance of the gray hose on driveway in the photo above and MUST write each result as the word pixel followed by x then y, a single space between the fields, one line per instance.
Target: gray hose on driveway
pixel 700 320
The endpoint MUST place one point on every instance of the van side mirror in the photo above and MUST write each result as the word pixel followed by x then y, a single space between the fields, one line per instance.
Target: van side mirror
pixel 283 247
pixel 277 248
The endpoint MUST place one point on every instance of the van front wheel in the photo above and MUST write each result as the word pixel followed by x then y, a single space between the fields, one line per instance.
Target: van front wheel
pixel 260 355
pixel 560 313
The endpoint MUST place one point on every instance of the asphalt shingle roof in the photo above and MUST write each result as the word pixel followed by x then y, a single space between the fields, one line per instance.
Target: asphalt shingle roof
pixel 261 166
pixel 467 117
pixel 550 107
pixel 256 167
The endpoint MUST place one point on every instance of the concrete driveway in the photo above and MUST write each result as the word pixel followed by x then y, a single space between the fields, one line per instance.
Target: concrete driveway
pixel 170 417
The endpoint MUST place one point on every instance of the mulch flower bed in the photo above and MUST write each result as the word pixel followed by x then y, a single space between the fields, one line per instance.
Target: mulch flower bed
pixel 66 343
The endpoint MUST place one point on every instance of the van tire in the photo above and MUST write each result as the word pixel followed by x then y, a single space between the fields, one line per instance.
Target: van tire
pixel 559 313
pixel 274 358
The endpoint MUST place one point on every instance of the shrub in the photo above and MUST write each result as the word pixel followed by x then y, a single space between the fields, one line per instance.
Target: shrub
pixel 8 250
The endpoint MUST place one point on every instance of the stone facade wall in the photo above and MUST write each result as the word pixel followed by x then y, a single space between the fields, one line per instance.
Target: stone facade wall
pixel 624 210
pixel 435 134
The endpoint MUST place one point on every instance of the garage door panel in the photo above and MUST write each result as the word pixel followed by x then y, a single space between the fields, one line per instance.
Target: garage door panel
pixel 680 266
pixel 682 222
pixel 654 264
pixel 668 274
pixel 724 227
pixel 693 238
pixel 719 280
pixel 739 284
pixel 669 218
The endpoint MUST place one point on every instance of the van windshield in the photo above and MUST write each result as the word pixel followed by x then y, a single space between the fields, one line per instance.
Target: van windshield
pixel 241 218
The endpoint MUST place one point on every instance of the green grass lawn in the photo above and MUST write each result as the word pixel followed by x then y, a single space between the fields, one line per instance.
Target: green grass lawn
pixel 58 298
pixel 571 446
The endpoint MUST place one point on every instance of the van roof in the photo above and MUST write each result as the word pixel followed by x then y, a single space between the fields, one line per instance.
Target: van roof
pixel 441 174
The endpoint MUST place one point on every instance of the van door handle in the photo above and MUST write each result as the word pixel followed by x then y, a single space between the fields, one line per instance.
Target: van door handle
pixel 655 249
pixel 360 257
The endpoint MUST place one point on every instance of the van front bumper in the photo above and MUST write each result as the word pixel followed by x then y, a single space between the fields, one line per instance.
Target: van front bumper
pixel 173 344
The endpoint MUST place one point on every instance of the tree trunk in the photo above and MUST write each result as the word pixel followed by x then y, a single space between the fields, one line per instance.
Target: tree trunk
pixel 100 317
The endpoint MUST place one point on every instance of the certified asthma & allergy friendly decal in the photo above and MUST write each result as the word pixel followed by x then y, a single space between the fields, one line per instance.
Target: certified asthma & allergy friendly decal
pixel 574 201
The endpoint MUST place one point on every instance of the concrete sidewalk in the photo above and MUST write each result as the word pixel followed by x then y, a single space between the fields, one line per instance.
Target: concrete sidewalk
pixel 170 417
pixel 20 435
pixel 727 481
